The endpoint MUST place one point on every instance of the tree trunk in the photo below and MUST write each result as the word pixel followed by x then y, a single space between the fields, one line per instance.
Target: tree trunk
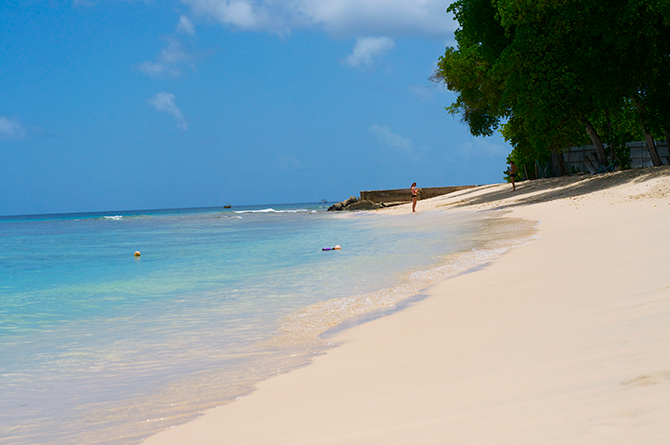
pixel 597 142
pixel 651 146
pixel 648 138
pixel 558 163
pixel 667 143
pixel 611 136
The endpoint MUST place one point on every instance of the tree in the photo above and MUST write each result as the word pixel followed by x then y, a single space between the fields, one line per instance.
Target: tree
pixel 467 69
pixel 648 82
pixel 619 126
pixel 555 70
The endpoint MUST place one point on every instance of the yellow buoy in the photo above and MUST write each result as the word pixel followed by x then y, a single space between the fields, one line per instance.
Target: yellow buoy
pixel 137 253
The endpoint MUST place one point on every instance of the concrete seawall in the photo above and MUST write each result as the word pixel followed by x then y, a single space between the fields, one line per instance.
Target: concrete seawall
pixel 404 195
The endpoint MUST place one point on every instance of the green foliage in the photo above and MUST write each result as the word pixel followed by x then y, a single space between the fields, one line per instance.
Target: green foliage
pixel 524 153
pixel 541 70
pixel 467 71
pixel 622 157
pixel 619 127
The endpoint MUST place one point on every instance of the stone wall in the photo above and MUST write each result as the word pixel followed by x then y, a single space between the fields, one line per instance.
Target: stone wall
pixel 404 195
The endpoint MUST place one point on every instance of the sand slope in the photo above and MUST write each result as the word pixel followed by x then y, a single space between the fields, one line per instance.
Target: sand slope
pixel 565 340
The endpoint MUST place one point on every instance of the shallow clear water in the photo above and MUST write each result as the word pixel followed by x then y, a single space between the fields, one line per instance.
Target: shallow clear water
pixel 97 346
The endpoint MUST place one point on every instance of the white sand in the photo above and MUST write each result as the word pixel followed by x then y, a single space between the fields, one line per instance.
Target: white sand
pixel 565 340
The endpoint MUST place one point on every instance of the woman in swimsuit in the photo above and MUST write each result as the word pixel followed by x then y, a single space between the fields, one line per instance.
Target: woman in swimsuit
pixel 415 196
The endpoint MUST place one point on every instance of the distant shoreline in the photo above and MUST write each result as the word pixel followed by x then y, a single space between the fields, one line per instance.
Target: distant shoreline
pixel 152 211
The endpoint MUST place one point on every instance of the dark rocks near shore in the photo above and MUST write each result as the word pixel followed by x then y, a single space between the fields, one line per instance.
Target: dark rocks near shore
pixel 342 205
pixel 353 204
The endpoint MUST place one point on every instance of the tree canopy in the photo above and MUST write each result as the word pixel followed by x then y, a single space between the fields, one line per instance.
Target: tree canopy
pixel 551 74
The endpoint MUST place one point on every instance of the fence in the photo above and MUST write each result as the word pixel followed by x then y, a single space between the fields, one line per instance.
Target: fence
pixel 639 155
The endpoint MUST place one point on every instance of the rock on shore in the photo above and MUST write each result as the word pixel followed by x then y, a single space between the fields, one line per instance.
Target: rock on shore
pixel 354 203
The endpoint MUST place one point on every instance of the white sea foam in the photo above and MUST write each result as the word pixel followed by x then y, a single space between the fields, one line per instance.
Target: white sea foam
pixel 271 210
pixel 309 322
pixel 114 217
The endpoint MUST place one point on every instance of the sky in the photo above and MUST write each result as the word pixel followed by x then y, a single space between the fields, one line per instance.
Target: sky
pixel 130 105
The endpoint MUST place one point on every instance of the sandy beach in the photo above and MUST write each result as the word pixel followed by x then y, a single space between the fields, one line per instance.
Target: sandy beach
pixel 563 340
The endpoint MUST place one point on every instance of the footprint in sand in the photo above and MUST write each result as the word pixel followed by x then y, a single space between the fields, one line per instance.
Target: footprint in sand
pixel 648 379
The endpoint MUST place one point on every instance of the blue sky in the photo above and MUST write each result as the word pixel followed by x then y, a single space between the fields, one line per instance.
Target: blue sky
pixel 120 105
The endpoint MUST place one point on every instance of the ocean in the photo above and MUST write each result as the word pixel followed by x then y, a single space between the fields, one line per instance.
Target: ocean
pixel 98 346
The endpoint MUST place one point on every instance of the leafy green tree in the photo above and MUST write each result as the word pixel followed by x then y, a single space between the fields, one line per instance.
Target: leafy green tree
pixel 530 158
pixel 467 68
pixel 557 70
pixel 648 56
pixel 619 126
pixel 559 66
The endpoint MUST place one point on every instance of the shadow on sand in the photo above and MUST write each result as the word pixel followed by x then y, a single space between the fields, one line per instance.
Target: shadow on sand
pixel 546 190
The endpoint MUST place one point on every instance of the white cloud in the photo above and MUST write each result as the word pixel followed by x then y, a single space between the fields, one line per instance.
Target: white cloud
pixel 11 129
pixel 289 163
pixel 83 3
pixel 185 25
pixel 243 14
pixel 170 61
pixel 422 92
pixel 92 3
pixel 173 58
pixel 165 102
pixel 341 18
pixel 367 49
pixel 482 145
pixel 240 13
pixel 386 137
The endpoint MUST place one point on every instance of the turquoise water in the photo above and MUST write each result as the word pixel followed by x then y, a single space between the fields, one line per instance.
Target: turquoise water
pixel 97 346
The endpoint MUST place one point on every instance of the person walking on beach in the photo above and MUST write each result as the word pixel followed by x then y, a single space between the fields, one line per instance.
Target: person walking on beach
pixel 415 196
pixel 512 174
